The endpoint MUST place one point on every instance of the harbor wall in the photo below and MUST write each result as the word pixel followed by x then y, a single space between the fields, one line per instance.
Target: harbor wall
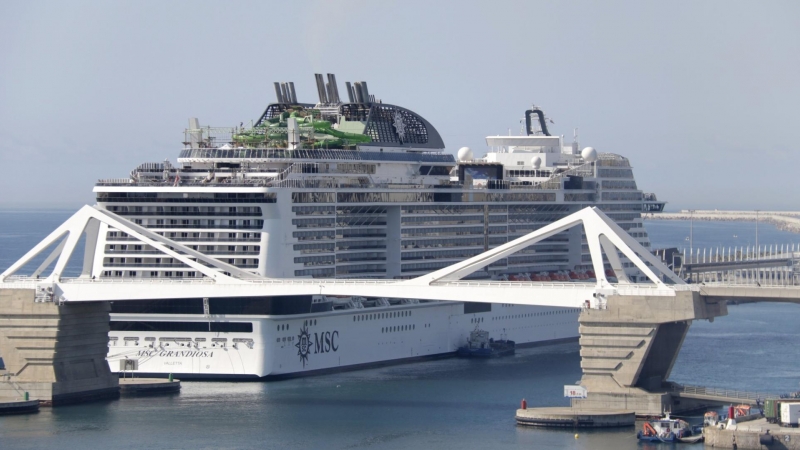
pixel 783 220
pixel 750 439
pixel 56 353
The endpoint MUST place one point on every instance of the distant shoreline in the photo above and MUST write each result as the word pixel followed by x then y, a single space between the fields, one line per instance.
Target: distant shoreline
pixel 783 220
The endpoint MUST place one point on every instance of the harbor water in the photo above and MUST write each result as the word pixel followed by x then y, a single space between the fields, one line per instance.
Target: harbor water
pixel 450 403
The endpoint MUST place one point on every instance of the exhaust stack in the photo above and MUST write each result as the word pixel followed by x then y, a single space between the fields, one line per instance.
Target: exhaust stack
pixel 323 96
pixel 359 94
pixel 333 89
pixel 287 97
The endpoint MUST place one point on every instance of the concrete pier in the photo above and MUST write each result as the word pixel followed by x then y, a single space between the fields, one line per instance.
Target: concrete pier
pixel 575 418
pixel 55 353
pixel 17 406
pixel 783 220
pixel 754 435
pixel 148 386
pixel 628 349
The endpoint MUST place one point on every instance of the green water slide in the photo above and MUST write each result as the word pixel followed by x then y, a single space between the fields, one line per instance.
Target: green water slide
pixel 275 129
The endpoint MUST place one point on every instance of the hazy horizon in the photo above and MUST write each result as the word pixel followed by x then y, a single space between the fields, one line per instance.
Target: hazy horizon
pixel 700 96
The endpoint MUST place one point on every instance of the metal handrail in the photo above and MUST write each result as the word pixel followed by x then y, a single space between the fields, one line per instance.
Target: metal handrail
pixel 727 393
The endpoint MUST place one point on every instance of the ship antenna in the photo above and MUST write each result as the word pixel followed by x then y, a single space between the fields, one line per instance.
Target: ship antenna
pixel 574 141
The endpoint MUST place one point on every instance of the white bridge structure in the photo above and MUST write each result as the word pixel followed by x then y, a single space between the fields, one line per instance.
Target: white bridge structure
pixel 630 332
pixel 604 238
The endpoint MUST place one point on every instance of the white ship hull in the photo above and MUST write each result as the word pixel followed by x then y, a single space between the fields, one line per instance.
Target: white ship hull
pixel 297 345
pixel 349 189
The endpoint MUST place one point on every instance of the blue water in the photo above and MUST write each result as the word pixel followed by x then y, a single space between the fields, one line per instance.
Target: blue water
pixel 708 234
pixel 453 403
pixel 21 230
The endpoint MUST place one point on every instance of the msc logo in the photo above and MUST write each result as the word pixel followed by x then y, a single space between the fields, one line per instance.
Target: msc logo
pixel 323 342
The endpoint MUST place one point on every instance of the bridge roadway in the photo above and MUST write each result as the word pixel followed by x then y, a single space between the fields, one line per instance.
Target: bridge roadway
pixel 749 293
pixel 721 266
pixel 54 329
pixel 521 293
pixel 712 396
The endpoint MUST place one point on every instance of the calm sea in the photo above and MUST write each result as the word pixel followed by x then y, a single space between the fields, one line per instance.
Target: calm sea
pixel 452 403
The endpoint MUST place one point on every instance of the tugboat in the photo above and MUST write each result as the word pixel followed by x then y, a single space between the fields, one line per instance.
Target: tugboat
pixel 480 345
pixel 668 429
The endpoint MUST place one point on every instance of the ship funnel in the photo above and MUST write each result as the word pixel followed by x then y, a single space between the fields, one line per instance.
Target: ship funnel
pixel 278 93
pixel 349 91
pixel 323 96
pixel 294 94
pixel 359 94
pixel 365 92
pixel 287 97
pixel 329 90
pixel 333 89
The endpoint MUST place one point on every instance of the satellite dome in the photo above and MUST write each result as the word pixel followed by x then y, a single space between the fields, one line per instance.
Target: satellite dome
pixel 465 154
pixel 536 162
pixel 589 154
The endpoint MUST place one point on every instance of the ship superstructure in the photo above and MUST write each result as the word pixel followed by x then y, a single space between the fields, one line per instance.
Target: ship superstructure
pixel 355 189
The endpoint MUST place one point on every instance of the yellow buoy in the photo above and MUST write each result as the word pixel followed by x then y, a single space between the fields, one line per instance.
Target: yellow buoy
pixel 576 435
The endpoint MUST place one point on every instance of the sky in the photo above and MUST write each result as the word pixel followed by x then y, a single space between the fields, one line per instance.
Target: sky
pixel 702 97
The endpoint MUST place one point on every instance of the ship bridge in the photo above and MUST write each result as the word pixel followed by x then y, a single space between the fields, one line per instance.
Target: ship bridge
pixel 54 328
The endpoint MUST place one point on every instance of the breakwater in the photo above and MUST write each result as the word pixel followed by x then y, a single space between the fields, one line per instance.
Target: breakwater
pixel 783 220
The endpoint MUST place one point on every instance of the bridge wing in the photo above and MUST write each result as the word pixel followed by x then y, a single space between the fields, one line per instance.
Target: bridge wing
pixel 601 234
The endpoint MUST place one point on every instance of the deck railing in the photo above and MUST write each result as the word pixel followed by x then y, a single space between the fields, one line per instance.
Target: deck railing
pixel 725 393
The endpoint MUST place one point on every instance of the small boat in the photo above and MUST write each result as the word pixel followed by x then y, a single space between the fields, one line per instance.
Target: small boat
pixel 711 419
pixel 480 345
pixel 668 429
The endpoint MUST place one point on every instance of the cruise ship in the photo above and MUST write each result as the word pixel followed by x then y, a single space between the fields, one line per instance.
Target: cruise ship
pixel 349 189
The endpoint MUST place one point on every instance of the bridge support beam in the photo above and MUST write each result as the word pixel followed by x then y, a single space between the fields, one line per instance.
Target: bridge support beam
pixel 629 348
pixel 55 353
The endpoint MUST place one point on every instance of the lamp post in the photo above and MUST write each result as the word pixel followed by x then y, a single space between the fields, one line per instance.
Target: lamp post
pixel 691 231
pixel 758 253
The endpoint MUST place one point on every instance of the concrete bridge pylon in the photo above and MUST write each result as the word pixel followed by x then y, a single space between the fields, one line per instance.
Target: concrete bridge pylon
pixel 629 347
pixel 56 353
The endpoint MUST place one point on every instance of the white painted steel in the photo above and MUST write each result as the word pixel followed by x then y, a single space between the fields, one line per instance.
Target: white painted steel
pixel 601 234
